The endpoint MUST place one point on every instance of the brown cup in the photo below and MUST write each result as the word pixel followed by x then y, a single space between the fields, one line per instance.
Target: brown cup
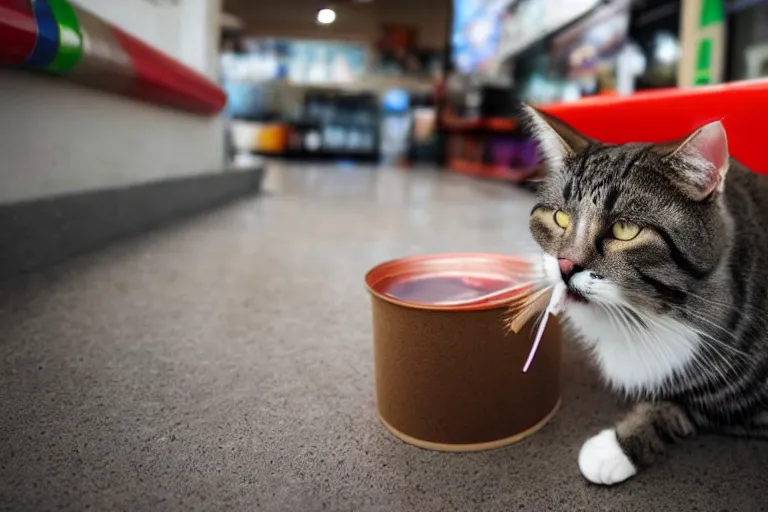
pixel 449 375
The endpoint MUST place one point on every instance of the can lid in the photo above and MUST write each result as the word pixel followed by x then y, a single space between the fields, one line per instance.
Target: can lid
pixel 452 281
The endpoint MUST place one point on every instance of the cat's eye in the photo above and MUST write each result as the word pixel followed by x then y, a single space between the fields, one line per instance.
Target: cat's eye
pixel 562 219
pixel 625 230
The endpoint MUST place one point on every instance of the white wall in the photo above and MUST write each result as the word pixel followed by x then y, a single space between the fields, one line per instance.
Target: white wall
pixel 58 137
pixel 186 29
pixel 157 24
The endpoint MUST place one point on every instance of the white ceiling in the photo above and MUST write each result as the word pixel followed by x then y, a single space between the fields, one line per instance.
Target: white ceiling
pixel 360 21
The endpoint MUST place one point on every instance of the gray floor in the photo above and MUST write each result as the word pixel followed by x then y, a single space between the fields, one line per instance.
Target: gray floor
pixel 226 363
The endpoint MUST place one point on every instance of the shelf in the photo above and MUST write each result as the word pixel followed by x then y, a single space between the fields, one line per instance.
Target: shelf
pixel 491 172
pixel 493 124
pixel 507 174
pixel 466 167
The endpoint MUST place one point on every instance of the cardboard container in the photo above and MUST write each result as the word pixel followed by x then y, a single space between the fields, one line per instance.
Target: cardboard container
pixel 448 373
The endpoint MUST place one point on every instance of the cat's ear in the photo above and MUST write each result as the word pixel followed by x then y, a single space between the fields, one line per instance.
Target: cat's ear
pixel 557 140
pixel 701 161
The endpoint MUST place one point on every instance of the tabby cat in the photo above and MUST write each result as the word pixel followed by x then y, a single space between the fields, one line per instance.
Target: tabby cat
pixel 664 251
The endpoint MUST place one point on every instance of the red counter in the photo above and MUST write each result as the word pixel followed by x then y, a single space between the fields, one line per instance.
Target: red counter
pixel 659 116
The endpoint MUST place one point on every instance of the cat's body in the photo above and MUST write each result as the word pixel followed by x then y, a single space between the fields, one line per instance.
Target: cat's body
pixel 664 249
pixel 732 305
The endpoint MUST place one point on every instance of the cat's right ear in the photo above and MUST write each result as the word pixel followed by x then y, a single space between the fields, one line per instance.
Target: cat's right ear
pixel 701 161
pixel 557 140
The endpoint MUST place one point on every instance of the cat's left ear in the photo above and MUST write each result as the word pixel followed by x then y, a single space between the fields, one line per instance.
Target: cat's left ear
pixel 556 139
pixel 702 161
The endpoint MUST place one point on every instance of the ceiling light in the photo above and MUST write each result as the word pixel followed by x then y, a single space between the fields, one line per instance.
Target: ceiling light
pixel 326 16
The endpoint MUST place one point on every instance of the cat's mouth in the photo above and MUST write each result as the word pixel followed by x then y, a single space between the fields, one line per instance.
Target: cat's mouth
pixel 575 296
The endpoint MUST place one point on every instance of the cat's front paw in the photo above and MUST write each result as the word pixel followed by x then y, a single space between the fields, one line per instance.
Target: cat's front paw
pixel 602 461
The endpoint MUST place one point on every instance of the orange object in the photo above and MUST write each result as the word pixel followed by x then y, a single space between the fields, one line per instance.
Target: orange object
pixel 500 124
pixel 466 167
pixel 491 124
pixel 272 138
pixel 488 171
pixel 659 116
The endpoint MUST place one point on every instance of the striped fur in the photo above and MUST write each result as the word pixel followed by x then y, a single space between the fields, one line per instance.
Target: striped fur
pixel 698 268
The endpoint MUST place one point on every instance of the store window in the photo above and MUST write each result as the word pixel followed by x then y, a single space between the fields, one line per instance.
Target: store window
pixel 748 40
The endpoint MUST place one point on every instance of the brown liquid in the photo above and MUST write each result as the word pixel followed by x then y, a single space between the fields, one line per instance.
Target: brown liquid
pixel 443 289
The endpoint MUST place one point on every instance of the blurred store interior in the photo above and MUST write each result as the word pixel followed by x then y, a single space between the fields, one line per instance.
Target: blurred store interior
pixel 192 191
pixel 439 82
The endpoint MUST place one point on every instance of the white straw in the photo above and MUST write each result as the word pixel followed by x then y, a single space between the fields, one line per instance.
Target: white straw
pixel 554 307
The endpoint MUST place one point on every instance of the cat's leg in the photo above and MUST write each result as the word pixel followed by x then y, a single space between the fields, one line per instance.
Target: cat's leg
pixel 616 454
pixel 756 428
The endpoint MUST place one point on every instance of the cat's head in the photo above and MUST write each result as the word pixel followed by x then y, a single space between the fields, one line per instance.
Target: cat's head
pixel 634 224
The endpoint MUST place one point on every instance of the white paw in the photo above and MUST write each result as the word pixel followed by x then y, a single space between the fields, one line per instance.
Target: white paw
pixel 602 461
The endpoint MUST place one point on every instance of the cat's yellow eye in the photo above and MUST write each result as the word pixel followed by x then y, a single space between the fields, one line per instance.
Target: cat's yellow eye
pixel 625 231
pixel 562 219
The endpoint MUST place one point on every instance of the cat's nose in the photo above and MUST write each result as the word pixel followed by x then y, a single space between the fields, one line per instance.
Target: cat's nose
pixel 568 268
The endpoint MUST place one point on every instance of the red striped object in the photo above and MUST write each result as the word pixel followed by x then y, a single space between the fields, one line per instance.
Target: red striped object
pixel 161 79
pixel 111 59
pixel 18 31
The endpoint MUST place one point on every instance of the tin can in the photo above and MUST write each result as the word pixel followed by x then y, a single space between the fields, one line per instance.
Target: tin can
pixel 448 372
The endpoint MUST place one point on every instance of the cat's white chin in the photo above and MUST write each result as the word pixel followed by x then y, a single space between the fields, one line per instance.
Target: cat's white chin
pixel 633 359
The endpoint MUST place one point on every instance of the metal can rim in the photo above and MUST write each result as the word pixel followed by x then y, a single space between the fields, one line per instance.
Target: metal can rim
pixel 487 262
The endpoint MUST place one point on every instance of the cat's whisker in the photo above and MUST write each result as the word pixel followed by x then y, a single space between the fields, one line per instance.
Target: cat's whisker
pixel 712 366
pixel 707 321
pixel 535 324
pixel 656 348
pixel 726 307
pixel 717 342
pixel 638 354
pixel 662 345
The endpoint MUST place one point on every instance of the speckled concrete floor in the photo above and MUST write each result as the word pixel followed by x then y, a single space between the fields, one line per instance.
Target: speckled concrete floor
pixel 225 363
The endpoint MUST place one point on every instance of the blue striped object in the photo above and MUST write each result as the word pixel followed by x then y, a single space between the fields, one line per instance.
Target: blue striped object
pixel 47 45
